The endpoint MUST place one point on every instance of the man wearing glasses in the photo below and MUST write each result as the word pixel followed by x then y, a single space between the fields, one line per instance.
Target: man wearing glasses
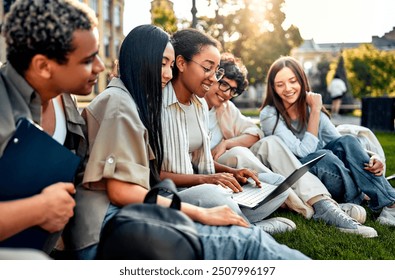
pixel 232 134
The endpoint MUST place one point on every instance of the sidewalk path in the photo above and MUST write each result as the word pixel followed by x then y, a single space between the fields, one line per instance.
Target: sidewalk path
pixel 342 119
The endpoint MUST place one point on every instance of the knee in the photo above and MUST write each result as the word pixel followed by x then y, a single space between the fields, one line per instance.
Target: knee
pixel 271 178
pixel 349 139
pixel 272 143
pixel 330 159
pixel 238 150
pixel 272 140
pixel 209 195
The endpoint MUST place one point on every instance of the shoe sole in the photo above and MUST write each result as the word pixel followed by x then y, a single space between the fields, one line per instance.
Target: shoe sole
pixel 291 226
pixel 370 234
pixel 385 222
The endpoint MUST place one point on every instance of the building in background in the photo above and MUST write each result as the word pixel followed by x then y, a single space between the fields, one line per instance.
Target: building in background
pixel 110 15
pixel 310 54
pixel 2 41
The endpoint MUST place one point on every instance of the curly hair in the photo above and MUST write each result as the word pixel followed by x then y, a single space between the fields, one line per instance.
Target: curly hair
pixel 44 27
pixel 234 70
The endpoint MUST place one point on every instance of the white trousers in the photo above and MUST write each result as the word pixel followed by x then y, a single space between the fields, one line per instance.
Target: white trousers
pixel 271 155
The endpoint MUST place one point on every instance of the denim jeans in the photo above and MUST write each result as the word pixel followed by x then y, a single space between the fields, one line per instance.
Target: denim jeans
pixel 341 171
pixel 89 253
pixel 223 243
pixel 239 243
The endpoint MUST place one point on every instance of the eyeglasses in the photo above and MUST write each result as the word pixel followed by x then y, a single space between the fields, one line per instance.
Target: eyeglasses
pixel 224 87
pixel 218 74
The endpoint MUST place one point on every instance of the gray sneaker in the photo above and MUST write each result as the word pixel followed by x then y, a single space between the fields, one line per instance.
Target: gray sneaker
pixel 331 214
pixel 387 216
pixel 276 225
pixel 355 211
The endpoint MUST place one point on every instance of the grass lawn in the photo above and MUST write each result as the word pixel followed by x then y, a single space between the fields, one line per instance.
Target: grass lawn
pixel 322 242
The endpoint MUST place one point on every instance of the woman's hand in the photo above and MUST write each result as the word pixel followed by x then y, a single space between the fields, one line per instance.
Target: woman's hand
pixel 375 165
pixel 225 180
pixel 220 216
pixel 243 174
pixel 314 100
pixel 219 150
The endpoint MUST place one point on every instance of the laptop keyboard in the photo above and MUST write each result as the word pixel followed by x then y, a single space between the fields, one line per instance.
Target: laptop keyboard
pixel 252 195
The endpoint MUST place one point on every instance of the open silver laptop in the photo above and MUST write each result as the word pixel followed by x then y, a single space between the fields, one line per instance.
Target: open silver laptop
pixel 253 196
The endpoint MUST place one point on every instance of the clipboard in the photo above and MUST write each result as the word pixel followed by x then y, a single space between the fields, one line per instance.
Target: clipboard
pixel 33 160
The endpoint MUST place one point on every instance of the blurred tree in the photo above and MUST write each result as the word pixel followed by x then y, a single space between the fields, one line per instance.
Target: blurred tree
pixel 370 72
pixel 252 30
pixel 318 80
pixel 340 70
pixel 165 18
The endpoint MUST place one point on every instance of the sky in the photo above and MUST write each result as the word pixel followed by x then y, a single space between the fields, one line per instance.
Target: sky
pixel 325 21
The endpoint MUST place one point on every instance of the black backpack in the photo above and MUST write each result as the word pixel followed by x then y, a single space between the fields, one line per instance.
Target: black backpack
pixel 150 231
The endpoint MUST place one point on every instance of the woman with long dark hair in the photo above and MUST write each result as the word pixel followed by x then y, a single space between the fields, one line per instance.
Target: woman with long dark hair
pixel 296 115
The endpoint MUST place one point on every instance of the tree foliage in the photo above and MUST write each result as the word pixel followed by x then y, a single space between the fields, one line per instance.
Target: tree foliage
pixel 252 30
pixel 165 18
pixel 370 72
pixel 318 81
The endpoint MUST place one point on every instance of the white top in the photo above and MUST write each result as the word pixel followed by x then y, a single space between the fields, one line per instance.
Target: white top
pixel 214 128
pixel 60 126
pixel 176 155
pixel 194 135
pixel 337 87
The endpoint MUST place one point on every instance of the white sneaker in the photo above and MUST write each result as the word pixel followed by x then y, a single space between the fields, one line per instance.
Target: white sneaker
pixel 276 225
pixel 387 216
pixel 355 211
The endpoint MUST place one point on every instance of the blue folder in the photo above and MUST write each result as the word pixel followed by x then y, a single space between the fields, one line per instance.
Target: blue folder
pixel 33 160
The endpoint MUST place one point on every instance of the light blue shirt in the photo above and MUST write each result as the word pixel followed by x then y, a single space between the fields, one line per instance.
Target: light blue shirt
pixel 302 143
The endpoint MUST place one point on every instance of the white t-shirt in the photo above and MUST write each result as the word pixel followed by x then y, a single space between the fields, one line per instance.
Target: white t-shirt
pixel 337 87
pixel 215 130
pixel 60 126
pixel 195 135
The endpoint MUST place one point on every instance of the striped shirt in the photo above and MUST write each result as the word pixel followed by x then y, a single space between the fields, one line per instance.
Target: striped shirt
pixel 176 156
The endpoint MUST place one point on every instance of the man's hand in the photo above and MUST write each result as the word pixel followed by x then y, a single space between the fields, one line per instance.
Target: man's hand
pixel 58 204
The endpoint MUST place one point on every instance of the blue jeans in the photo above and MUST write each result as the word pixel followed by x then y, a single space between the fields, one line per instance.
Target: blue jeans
pixel 89 253
pixel 239 243
pixel 341 171
pixel 223 243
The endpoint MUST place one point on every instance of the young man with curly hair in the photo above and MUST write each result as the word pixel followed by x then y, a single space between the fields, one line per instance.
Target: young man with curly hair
pixel 52 52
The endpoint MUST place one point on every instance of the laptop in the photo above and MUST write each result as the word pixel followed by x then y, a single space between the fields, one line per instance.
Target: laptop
pixel 252 196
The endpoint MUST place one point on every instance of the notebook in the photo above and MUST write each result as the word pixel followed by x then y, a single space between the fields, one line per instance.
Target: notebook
pixel 33 160
pixel 252 196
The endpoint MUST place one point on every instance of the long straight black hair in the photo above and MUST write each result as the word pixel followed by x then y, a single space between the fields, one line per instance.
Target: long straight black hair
pixel 140 69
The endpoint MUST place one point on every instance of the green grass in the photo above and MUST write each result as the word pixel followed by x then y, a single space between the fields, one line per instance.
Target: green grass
pixel 322 242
